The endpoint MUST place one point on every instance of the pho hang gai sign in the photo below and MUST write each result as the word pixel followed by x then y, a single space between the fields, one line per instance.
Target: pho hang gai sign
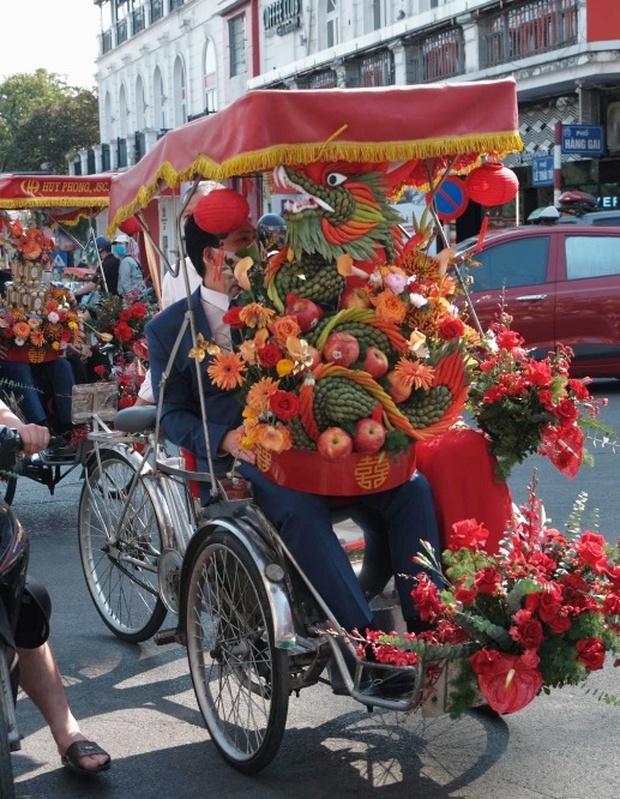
pixel 582 140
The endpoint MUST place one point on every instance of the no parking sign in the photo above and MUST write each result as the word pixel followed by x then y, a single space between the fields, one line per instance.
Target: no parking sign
pixel 451 199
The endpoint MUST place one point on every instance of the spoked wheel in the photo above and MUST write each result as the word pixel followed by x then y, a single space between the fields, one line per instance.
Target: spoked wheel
pixel 7 788
pixel 241 680
pixel 120 552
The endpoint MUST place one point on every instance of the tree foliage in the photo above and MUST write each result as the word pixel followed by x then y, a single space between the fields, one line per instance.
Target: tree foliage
pixel 42 119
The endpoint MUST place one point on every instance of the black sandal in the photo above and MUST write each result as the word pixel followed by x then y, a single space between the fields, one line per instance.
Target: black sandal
pixel 80 749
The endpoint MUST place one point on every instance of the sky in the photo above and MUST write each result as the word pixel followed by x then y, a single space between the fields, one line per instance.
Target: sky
pixel 60 37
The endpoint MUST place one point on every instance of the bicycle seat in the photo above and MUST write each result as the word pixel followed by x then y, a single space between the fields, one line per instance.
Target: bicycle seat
pixel 135 420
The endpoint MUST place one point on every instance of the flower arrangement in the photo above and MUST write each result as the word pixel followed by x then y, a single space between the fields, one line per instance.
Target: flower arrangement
pixel 343 361
pixel 113 320
pixel 55 326
pixel 27 244
pixel 541 614
pixel 526 405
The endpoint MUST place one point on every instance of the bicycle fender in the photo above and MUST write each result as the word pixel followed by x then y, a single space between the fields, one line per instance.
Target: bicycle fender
pixel 285 635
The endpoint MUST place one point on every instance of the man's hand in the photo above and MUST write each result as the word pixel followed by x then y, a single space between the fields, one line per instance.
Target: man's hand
pixel 35 438
pixel 231 443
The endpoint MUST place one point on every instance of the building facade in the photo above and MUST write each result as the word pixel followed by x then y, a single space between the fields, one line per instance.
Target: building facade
pixel 164 62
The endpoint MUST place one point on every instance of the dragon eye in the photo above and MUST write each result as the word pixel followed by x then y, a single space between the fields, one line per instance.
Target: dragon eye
pixel 335 179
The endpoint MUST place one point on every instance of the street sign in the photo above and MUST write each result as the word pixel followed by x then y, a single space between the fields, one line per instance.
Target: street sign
pixel 582 139
pixel 450 199
pixel 542 170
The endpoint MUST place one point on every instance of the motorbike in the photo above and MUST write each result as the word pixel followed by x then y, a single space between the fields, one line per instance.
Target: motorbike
pixel 19 598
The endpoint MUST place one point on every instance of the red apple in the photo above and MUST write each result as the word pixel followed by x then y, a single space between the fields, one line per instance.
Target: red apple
pixel 369 436
pixel 341 348
pixel 376 362
pixel 305 311
pixel 354 297
pixel 316 357
pixel 397 391
pixel 335 444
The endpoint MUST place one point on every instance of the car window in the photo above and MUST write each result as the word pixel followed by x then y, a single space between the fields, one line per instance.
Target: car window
pixel 612 219
pixel 513 263
pixel 592 256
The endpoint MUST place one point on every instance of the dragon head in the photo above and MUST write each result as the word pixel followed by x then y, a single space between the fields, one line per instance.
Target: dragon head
pixel 346 209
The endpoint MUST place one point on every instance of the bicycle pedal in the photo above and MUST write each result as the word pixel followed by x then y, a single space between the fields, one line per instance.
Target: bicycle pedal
pixel 166 637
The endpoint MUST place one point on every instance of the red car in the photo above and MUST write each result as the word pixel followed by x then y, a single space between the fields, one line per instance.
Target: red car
pixel 560 283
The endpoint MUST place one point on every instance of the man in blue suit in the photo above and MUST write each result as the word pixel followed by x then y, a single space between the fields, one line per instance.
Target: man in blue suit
pixel 402 517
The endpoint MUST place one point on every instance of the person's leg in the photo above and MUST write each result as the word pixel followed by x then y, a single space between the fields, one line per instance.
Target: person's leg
pixel 60 375
pixel 409 517
pixel 18 379
pixel 40 678
pixel 304 522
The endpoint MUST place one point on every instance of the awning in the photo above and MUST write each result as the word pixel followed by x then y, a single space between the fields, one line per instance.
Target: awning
pixel 66 198
pixel 267 128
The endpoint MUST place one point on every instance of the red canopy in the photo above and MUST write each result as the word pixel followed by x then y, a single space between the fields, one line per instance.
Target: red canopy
pixel 266 128
pixel 65 198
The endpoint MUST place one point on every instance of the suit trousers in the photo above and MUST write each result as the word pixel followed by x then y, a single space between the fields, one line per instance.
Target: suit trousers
pixel 394 522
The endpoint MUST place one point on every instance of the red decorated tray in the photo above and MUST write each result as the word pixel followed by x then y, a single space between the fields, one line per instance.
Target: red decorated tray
pixel 358 474
pixel 30 354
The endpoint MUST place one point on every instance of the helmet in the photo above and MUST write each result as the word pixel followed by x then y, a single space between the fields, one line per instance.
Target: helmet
pixel 102 243
pixel 121 238
pixel 271 231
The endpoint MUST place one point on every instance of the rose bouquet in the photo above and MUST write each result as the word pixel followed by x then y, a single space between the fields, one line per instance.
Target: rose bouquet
pixel 526 405
pixel 541 614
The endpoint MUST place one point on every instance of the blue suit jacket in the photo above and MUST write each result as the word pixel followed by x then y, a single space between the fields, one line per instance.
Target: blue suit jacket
pixel 181 420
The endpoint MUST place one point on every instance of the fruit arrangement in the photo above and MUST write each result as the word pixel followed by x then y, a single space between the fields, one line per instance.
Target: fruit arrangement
pixel 341 360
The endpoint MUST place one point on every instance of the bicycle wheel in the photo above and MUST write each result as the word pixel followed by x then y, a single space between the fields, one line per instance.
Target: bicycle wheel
pixel 7 787
pixel 240 679
pixel 120 559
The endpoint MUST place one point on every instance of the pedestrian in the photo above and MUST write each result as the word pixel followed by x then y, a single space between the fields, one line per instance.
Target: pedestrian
pixel 130 275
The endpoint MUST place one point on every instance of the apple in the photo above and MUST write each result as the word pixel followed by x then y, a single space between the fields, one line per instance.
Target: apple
pixel 369 436
pixel 305 311
pixel 335 444
pixel 341 348
pixel 376 362
pixel 354 297
pixel 316 357
pixel 397 391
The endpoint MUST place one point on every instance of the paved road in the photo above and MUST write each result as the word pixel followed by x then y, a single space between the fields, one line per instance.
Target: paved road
pixel 137 701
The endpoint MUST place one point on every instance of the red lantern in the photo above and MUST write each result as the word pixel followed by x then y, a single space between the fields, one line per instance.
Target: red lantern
pixel 492 184
pixel 130 226
pixel 221 211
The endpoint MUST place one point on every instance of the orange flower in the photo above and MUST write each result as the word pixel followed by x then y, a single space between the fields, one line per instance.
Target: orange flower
pixel 37 338
pixel 414 374
pixel 284 326
pixel 284 367
pixel 255 315
pixel 21 329
pixel 258 396
pixel 227 370
pixel 276 439
pixel 389 307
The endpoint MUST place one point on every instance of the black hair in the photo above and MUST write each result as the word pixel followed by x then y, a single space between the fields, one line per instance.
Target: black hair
pixel 196 240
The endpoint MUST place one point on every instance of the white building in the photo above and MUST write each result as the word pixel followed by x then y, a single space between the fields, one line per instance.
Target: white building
pixel 164 62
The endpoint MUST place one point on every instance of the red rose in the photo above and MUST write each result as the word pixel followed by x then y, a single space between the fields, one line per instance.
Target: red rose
pixel 590 549
pixel 123 332
pixel 467 533
pixel 566 411
pixel 591 653
pixel 467 596
pixel 138 310
pixel 100 369
pixel 269 355
pixel 611 605
pixel 579 389
pixel 487 580
pixel 451 328
pixel 284 404
pixel 527 631
pixel 509 340
pixel 231 317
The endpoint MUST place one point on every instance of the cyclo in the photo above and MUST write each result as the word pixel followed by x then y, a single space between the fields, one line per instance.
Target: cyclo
pixel 255 628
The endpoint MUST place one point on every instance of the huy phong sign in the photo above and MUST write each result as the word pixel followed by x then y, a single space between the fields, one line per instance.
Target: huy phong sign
pixel 282 17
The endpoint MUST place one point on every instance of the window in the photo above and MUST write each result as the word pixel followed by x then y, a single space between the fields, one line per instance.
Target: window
pixel 236 44
pixel 591 256
pixel 210 79
pixel 512 264
pixel 331 19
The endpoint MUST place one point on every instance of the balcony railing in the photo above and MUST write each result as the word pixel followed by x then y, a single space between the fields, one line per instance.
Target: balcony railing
pixel 319 80
pixel 375 69
pixel 533 28
pixel 436 57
